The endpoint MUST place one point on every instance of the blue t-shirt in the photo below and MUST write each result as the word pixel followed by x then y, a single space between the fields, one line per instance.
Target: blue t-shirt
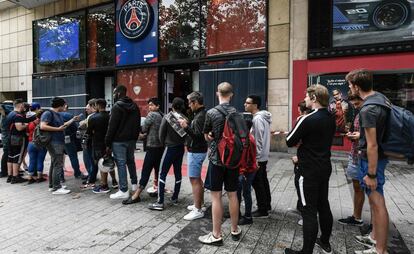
pixel 55 120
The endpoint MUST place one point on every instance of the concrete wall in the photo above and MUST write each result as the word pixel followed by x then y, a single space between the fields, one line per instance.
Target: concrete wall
pixel 16 50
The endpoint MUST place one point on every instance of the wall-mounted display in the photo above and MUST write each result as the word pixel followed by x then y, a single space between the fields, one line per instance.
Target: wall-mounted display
pixel 359 22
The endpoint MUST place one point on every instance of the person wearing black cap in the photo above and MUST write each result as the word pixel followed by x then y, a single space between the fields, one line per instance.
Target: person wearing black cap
pixel 52 121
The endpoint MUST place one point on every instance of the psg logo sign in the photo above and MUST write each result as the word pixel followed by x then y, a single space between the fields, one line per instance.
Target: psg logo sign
pixel 134 18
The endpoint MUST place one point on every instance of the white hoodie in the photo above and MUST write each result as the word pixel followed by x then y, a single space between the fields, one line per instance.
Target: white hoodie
pixel 261 133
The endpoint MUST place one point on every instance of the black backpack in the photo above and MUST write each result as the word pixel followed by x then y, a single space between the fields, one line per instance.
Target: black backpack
pixel 42 138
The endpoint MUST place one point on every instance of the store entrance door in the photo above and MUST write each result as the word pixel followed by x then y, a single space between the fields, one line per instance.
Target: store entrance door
pixel 179 81
pixel 100 85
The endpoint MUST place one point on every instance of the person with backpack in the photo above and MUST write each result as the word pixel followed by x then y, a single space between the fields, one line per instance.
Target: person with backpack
pixel 314 132
pixel 353 169
pixel 122 135
pixel 96 130
pixel 172 136
pixel 17 142
pixel 219 174
pixel 154 148
pixel 261 133
pixel 197 152
pixel 51 121
pixel 37 154
pixel 373 161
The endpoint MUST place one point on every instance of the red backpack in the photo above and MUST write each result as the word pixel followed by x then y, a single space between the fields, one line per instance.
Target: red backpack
pixel 236 147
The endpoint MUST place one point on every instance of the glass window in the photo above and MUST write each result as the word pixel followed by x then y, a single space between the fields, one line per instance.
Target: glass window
pixel 101 29
pixel 398 87
pixel 235 26
pixel 142 84
pixel 179 29
pixel 59 43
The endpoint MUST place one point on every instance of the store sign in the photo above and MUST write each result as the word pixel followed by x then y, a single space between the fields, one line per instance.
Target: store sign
pixel 136 32
pixel 134 19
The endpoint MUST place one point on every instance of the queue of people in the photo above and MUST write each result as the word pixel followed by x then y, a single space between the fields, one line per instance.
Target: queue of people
pixel 109 139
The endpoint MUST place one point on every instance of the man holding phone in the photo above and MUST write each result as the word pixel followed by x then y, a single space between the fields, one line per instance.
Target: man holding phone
pixel 52 121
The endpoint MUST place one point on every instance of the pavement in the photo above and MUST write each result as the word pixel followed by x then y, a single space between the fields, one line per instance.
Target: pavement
pixel 32 220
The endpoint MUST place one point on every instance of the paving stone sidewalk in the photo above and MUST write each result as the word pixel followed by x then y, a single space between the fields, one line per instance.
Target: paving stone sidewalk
pixel 35 221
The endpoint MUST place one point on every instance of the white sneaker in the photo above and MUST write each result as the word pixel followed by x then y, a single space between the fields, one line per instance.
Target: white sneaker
pixel 372 250
pixel 365 240
pixel 194 214
pixel 300 222
pixel 134 187
pixel 61 191
pixel 192 207
pixel 119 195
pixel 62 186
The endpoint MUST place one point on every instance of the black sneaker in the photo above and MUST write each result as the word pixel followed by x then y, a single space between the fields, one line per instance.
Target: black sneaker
pixel 156 206
pixel 40 179
pixel 326 247
pixel 235 236
pixel 9 178
pixel 18 179
pixel 31 181
pixel 290 251
pixel 245 221
pixel 260 214
pixel 351 221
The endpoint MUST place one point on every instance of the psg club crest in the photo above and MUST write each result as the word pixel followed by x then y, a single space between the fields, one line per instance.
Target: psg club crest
pixel 134 19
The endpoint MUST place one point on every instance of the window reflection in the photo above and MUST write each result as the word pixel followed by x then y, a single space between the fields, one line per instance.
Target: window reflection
pixel 235 25
pixel 179 29
pixel 101 25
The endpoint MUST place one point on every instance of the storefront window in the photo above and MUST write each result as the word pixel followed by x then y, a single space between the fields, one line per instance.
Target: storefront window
pixel 398 87
pixel 235 26
pixel 59 43
pixel 179 29
pixel 142 84
pixel 248 76
pixel 101 27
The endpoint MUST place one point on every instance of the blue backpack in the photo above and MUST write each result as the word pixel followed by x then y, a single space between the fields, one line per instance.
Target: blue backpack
pixel 398 138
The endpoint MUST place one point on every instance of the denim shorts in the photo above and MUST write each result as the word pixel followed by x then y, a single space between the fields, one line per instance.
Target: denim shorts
pixel 352 171
pixel 195 163
pixel 382 163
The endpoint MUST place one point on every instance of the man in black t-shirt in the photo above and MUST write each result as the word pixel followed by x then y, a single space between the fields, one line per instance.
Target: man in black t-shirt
pixel 97 127
pixel 17 142
pixel 372 124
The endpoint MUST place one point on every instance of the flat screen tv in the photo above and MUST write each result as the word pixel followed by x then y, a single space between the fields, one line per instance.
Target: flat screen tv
pixel 360 27
pixel 59 42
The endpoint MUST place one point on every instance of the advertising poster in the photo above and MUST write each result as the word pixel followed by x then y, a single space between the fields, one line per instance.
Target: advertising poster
pixel 136 32
pixel 338 103
pixel 361 22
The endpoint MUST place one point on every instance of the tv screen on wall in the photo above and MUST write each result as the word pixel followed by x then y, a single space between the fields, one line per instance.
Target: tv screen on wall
pixel 361 22
pixel 59 42
pixel 360 27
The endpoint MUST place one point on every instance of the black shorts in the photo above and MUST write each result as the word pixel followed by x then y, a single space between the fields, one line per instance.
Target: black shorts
pixel 16 153
pixel 220 175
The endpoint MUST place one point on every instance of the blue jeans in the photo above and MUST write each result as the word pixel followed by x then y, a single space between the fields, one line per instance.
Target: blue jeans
pixel 245 186
pixel 36 159
pixel 173 155
pixel 72 152
pixel 88 161
pixel 124 156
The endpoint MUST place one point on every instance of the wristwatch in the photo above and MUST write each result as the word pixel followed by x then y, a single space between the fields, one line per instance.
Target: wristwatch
pixel 372 176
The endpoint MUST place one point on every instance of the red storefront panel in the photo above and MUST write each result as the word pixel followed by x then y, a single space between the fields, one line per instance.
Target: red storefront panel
pixel 142 84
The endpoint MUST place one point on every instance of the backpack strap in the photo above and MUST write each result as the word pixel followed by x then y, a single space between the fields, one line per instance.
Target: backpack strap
pixel 221 109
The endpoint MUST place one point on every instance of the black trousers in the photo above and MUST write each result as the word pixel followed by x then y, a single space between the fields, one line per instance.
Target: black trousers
pixel 152 160
pixel 313 194
pixel 4 159
pixel 262 188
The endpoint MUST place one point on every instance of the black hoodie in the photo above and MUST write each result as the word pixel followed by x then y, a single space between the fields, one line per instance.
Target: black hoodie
pixel 124 123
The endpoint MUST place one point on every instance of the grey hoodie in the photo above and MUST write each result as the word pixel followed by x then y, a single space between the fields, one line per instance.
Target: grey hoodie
pixel 261 133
